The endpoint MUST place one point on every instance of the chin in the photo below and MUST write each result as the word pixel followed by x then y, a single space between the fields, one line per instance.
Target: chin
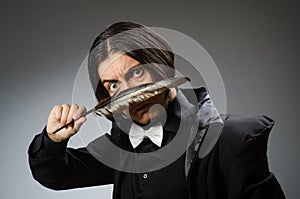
pixel 148 117
pixel 149 111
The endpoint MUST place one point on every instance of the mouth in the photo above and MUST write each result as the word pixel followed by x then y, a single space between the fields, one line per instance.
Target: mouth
pixel 143 102
pixel 140 102
pixel 140 99
pixel 140 108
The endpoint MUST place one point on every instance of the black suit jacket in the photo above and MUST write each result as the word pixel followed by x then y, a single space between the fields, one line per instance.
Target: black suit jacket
pixel 235 166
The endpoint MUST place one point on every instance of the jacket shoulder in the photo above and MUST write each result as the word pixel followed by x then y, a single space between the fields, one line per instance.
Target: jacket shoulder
pixel 244 135
pixel 242 128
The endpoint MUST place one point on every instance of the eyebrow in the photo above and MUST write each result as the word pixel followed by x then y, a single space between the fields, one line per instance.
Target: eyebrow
pixel 127 74
pixel 110 81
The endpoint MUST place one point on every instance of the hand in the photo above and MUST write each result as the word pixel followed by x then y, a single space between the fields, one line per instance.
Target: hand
pixel 61 115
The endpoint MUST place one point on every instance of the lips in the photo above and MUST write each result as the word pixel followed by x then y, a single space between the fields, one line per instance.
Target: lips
pixel 144 106
pixel 140 108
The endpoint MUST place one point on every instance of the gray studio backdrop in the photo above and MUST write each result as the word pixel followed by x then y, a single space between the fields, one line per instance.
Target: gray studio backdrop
pixel 255 45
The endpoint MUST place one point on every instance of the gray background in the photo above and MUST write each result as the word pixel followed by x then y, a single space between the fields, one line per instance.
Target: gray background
pixel 255 44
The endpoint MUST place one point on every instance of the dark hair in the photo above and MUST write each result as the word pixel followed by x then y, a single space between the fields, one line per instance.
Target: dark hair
pixel 137 41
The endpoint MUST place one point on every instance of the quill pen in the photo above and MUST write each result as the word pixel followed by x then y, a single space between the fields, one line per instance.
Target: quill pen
pixel 131 97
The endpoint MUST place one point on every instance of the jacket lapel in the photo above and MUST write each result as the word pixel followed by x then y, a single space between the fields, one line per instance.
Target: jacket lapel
pixel 205 131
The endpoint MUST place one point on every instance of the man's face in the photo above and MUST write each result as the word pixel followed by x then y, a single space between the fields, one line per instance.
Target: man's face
pixel 120 72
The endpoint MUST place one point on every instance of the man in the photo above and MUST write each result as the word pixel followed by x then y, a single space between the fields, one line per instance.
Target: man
pixel 125 56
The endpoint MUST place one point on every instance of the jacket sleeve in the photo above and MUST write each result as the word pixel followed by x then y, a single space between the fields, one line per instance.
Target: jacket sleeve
pixel 243 158
pixel 57 167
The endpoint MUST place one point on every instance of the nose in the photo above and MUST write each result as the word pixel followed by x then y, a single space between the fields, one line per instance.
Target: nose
pixel 128 84
pixel 125 85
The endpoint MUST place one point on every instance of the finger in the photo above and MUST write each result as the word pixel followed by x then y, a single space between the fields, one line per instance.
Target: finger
pixel 79 112
pixel 79 123
pixel 73 109
pixel 57 111
pixel 54 115
pixel 65 113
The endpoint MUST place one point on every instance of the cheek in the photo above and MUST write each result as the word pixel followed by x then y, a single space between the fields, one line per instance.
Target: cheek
pixel 156 110
pixel 147 77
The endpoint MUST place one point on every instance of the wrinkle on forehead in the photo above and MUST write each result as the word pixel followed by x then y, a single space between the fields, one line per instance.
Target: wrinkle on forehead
pixel 116 66
pixel 102 67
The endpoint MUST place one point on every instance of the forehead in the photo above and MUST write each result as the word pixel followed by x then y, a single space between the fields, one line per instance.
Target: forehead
pixel 115 66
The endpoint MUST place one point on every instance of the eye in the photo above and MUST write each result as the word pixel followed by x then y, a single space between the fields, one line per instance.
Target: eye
pixel 113 86
pixel 137 73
